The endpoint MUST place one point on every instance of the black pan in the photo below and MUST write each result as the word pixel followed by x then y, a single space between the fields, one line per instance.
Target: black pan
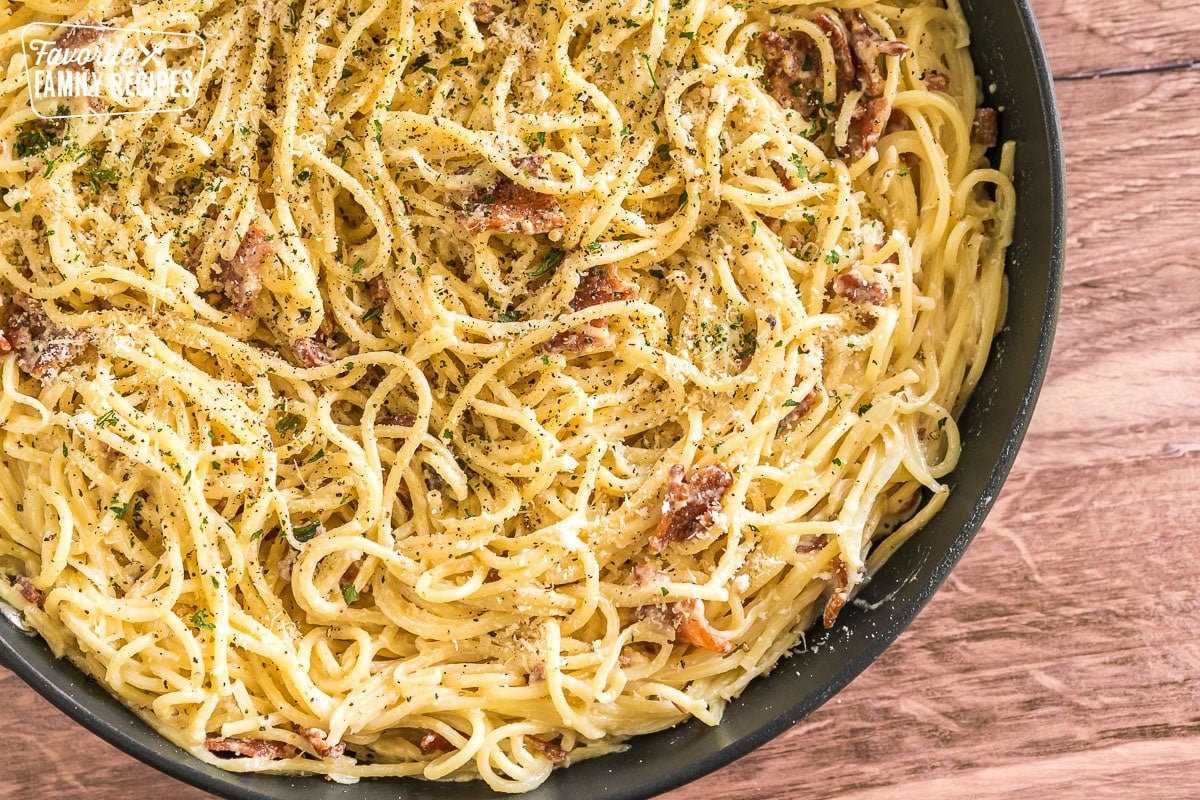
pixel 1008 54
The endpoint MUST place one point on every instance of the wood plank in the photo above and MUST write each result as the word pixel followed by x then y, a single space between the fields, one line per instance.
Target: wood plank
pixel 49 756
pixel 1062 656
pixel 1127 335
pixel 1087 36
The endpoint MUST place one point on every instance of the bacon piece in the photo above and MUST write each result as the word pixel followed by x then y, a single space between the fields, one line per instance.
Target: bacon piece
pixel 813 545
pixel 835 30
pixel 432 742
pixel 251 748
pixel 310 352
pixel 854 288
pixel 553 753
pixel 319 740
pixel 869 45
pixel 868 123
pixel 801 409
pixel 285 565
pixel 692 626
pixel 483 12
pixel 377 287
pixel 538 673
pixel 840 593
pixel 5 346
pixel 871 118
pixel 351 573
pixel 784 175
pixel 985 128
pixel 898 121
pixel 509 207
pixel 791 84
pixel 242 275
pixel 685 618
pixel 692 504
pixel 794 68
pixel 325 329
pixel 937 82
pixel 597 285
pixel 573 341
pixel 405 420
pixel 600 285
pixel 30 592
pixel 44 348
pixel 492 576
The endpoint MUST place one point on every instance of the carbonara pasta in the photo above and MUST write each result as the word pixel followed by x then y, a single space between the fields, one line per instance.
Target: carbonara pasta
pixel 457 389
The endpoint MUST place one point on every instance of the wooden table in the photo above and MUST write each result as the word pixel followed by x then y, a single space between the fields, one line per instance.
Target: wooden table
pixel 1063 655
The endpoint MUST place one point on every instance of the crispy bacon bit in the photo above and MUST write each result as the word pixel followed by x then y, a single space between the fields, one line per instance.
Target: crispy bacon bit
pixel 573 341
pixel 871 118
pixel 553 753
pixel 242 274
pixel 791 85
pixel 692 626
pixel 5 346
pixel 319 740
pixel 350 574
pixel 251 748
pixel 325 330
pixel 509 207
pixel 377 287
pixel 813 544
pixel 538 673
pixel 692 504
pixel 483 12
pixel 869 45
pixel 44 348
pixel 854 288
pixel 801 409
pixel 310 352
pixel 840 592
pixel 898 122
pixel 795 73
pixel 285 565
pixel 492 576
pixel 432 742
pixel 937 82
pixel 985 129
pixel 433 478
pixel 869 122
pixel 784 175
pixel 600 285
pixel 405 420
pixel 794 69
pixel 685 618
pixel 597 285
pixel 28 590
pixel 835 30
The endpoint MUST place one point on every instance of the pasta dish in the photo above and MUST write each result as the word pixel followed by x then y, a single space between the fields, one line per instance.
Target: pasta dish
pixel 459 389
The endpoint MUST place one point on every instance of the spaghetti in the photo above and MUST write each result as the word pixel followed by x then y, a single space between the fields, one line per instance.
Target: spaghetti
pixel 461 388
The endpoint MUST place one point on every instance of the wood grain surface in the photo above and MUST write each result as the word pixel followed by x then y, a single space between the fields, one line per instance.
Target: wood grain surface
pixel 1062 658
